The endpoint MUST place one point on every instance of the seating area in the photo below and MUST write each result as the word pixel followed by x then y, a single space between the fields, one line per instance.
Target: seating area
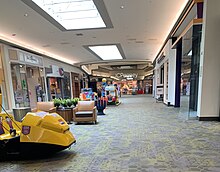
pixel 85 111
pixel 45 106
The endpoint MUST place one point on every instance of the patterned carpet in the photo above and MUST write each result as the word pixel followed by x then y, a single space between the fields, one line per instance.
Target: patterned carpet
pixel 136 136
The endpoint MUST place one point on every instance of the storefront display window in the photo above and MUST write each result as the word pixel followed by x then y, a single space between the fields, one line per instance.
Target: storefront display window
pixel 35 82
pixel 55 86
pixel 190 69
pixel 3 84
pixel 20 87
pixel 66 85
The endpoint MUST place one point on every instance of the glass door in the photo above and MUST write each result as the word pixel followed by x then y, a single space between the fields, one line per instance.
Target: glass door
pixel 194 75
pixel 55 88
pixel 35 85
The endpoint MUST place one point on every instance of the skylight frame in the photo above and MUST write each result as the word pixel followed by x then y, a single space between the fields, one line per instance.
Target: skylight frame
pixel 117 49
pixel 100 5
pixel 73 14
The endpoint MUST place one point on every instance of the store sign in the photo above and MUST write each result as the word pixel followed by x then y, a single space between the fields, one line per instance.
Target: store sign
pixel 56 72
pixel 30 59
pixel 127 75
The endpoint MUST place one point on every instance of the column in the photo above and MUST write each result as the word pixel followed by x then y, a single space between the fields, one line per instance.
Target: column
pixel 209 77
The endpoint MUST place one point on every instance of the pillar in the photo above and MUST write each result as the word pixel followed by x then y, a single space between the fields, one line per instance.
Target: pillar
pixel 209 77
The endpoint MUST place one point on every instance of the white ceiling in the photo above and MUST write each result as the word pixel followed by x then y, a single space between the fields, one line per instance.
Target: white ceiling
pixel 140 28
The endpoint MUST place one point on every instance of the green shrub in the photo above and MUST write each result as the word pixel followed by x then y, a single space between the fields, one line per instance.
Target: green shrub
pixel 56 102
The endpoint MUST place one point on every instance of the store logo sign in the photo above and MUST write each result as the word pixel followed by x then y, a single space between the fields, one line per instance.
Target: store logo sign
pixel 127 75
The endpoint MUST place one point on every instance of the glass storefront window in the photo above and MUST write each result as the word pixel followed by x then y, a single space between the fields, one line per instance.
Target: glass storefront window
pixel 20 86
pixel 66 85
pixel 55 86
pixel 3 87
pixel 35 85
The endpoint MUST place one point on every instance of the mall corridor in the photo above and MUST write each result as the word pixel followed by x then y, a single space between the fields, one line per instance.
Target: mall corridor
pixel 138 135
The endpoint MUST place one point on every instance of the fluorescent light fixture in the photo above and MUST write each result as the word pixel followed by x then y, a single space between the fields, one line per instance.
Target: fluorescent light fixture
pixel 106 52
pixel 125 67
pixel 73 14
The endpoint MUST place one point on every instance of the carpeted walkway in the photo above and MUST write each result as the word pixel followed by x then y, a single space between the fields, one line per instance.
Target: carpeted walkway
pixel 138 135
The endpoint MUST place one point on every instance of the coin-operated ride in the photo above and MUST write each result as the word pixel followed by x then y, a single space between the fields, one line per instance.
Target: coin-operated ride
pixel 112 94
pixel 87 94
pixel 101 101
pixel 39 133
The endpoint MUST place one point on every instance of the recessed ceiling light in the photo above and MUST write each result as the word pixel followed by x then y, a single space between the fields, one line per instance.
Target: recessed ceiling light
pixel 132 39
pixel 79 34
pixel 106 52
pixel 139 42
pixel 46 45
pixel 26 14
pixel 152 39
pixel 73 14
pixel 64 43
pixel 122 6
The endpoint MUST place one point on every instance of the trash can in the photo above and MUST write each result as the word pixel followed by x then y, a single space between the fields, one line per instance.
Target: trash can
pixel 19 113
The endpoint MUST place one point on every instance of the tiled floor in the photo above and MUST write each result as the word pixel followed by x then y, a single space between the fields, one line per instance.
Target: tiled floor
pixel 138 135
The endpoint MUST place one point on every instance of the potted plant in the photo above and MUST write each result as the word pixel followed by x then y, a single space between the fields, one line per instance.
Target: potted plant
pixel 77 99
pixel 56 102
pixel 73 101
pixel 64 103
pixel 69 102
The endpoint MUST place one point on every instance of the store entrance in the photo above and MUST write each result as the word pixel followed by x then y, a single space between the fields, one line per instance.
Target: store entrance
pixel 35 80
pixel 190 71
pixel 55 86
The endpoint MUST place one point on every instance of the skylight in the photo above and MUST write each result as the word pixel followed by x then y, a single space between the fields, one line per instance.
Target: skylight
pixel 73 14
pixel 107 52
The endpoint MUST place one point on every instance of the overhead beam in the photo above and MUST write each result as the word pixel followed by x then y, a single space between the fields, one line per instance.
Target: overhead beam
pixel 183 15
pixel 192 22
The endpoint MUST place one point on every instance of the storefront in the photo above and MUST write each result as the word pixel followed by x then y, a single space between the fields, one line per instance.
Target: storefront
pixel 27 78
pixel 3 87
pixel 164 75
pixel 75 84
pixel 148 84
pixel 58 83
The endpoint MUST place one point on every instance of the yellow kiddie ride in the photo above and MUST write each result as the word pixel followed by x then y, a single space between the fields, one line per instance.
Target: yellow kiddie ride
pixel 39 133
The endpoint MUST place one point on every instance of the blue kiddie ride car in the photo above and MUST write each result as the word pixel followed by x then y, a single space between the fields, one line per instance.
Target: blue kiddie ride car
pixel 87 94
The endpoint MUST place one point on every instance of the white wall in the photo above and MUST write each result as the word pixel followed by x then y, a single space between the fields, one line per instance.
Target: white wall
pixel 209 81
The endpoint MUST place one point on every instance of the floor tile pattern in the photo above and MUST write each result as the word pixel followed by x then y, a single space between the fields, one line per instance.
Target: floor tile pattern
pixel 138 135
